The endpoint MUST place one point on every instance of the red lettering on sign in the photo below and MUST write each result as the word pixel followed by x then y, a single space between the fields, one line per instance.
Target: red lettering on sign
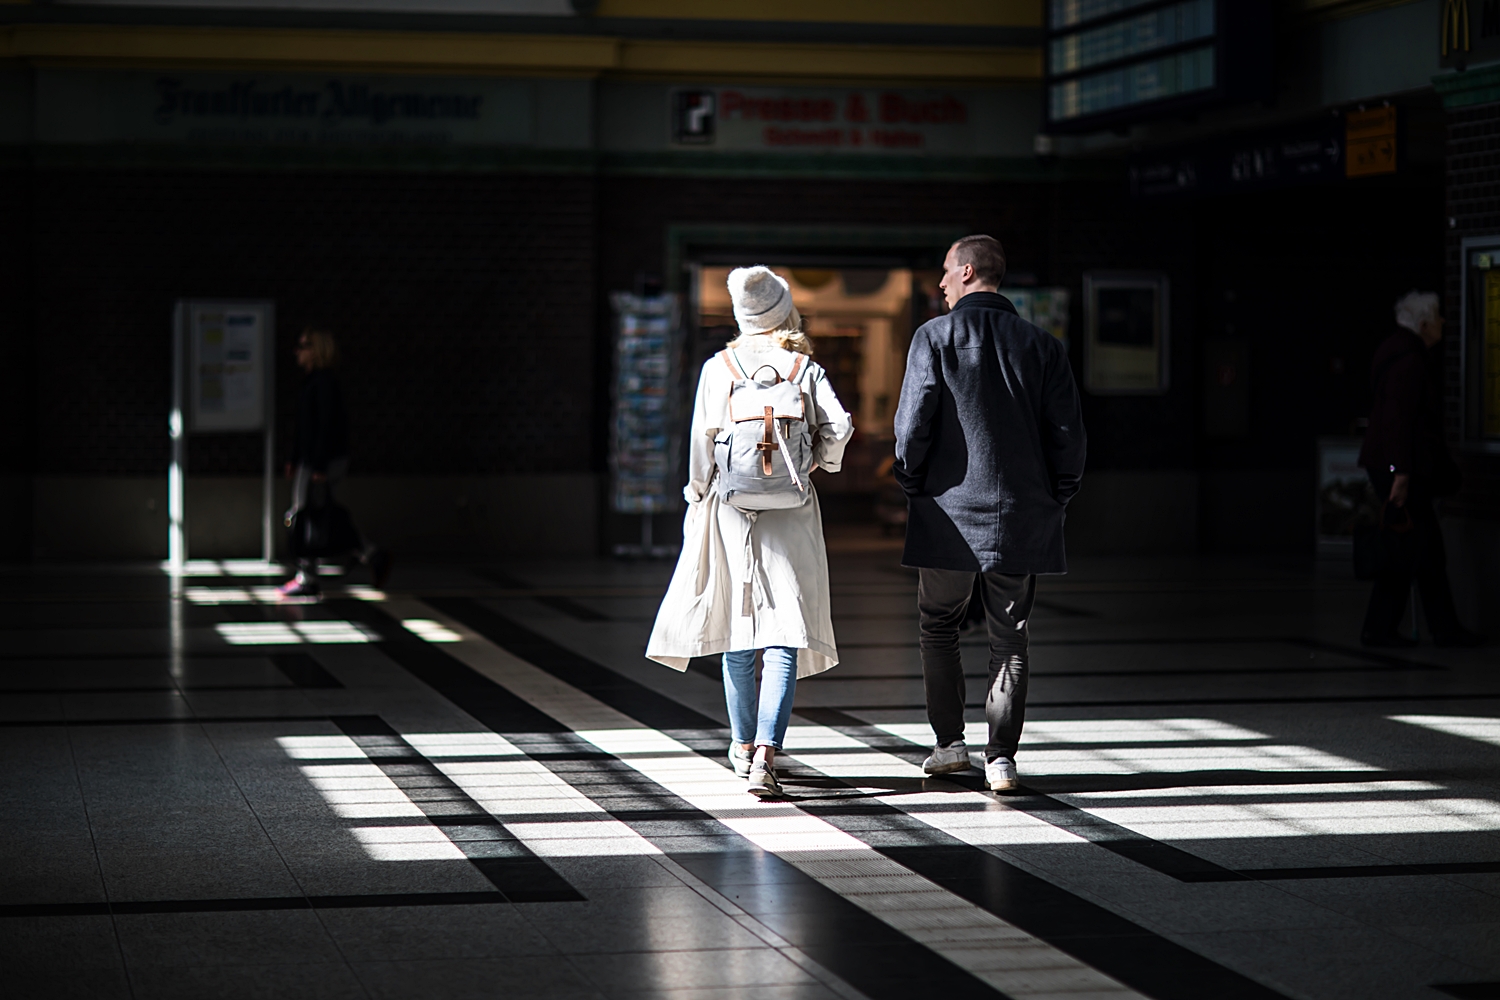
pixel 896 138
pixel 733 104
pixel 944 110
pixel 855 110
pixel 782 136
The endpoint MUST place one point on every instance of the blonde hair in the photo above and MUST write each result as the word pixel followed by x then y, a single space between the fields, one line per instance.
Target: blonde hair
pixel 788 335
pixel 325 353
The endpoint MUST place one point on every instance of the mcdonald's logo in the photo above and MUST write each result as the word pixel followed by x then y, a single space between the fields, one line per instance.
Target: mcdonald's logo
pixel 1455 27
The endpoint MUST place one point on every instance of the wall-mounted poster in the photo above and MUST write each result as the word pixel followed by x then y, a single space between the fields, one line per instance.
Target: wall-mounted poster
pixel 1045 307
pixel 643 433
pixel 1125 320
pixel 227 359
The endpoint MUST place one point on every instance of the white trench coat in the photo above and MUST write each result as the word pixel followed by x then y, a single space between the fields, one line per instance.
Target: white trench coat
pixel 706 610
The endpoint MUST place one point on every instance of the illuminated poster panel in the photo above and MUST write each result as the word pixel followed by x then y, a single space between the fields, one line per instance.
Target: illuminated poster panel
pixel 643 440
pixel 1044 307
pixel 1125 318
pixel 227 359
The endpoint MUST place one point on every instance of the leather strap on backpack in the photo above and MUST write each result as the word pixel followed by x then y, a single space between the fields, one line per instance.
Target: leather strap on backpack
pixel 768 444
pixel 734 371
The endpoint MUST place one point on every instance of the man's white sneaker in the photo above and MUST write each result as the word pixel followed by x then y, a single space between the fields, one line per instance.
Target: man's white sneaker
pixel 947 760
pixel 739 759
pixel 1000 775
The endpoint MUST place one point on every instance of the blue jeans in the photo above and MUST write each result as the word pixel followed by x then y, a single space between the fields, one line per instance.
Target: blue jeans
pixel 765 724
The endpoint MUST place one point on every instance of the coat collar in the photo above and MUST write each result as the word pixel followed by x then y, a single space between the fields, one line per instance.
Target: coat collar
pixel 983 300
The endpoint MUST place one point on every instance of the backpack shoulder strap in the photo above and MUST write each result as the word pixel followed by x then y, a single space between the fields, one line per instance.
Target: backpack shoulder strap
pixel 734 369
pixel 798 368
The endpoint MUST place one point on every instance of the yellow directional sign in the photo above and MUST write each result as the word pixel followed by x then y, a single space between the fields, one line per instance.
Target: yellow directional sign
pixel 1370 142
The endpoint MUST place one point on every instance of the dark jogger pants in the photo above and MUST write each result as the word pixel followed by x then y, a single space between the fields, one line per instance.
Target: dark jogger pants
pixel 942 598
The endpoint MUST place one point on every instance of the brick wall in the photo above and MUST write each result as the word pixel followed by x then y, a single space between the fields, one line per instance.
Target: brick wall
pixel 462 302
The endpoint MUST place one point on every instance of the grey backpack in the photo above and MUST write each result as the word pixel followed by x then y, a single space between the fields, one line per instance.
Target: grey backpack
pixel 765 454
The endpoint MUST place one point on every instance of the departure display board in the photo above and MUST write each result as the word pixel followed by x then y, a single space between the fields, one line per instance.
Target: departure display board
pixel 1112 62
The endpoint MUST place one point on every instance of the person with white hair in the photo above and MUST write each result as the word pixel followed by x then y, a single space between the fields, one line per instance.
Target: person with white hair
pixel 1407 460
pixel 753 573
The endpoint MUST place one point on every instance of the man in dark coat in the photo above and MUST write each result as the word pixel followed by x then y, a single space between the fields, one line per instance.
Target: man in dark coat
pixel 1408 463
pixel 989 449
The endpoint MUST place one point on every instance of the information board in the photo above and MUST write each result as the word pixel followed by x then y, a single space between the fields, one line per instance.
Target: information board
pixel 227 360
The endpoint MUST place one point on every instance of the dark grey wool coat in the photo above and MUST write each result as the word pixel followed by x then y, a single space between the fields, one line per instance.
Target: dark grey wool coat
pixel 989 441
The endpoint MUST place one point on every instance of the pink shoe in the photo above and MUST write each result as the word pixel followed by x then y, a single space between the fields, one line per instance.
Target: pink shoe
pixel 297 587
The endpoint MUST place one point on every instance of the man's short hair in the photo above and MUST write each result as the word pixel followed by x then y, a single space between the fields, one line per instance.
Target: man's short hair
pixel 985 255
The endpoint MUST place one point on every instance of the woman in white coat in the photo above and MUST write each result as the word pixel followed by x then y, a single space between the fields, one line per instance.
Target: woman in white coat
pixel 757 581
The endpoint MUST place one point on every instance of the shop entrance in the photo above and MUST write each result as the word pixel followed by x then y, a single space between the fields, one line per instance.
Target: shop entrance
pixel 860 316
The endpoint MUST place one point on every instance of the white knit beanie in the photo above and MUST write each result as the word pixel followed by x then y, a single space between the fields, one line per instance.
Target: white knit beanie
pixel 762 299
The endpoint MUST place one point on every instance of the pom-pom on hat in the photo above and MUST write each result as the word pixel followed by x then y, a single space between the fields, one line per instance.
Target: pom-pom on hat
pixel 762 299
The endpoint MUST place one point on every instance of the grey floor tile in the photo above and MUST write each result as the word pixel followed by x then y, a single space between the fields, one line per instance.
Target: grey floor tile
pixel 622 930
pixel 413 933
pixel 1416 899
pixel 1366 964
pixel 785 991
pixel 36 868
pixel 521 978
pixel 67 983
pixel 1477 944
pixel 613 872
pixel 199 871
pixel 57 944
pixel 256 937
pixel 645 970
pixel 305 981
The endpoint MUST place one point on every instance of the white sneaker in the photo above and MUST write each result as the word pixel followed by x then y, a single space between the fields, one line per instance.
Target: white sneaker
pixel 947 760
pixel 739 759
pixel 1000 775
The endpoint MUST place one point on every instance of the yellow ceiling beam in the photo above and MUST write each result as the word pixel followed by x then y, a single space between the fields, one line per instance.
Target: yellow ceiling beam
pixel 974 13
pixel 297 48
pixel 485 53
pixel 876 62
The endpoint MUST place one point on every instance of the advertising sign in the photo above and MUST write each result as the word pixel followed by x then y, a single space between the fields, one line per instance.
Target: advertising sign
pixel 1044 307
pixel 228 348
pixel 1125 319
pixel 643 446
pixel 823 119
pixel 282 109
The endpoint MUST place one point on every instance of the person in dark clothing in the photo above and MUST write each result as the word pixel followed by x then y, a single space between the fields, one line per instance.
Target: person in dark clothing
pixel 989 450
pixel 1408 463
pixel 320 454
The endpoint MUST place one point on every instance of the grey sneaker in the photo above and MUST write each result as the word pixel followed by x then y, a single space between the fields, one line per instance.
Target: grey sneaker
pixel 947 760
pixel 739 759
pixel 763 783
pixel 1000 775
